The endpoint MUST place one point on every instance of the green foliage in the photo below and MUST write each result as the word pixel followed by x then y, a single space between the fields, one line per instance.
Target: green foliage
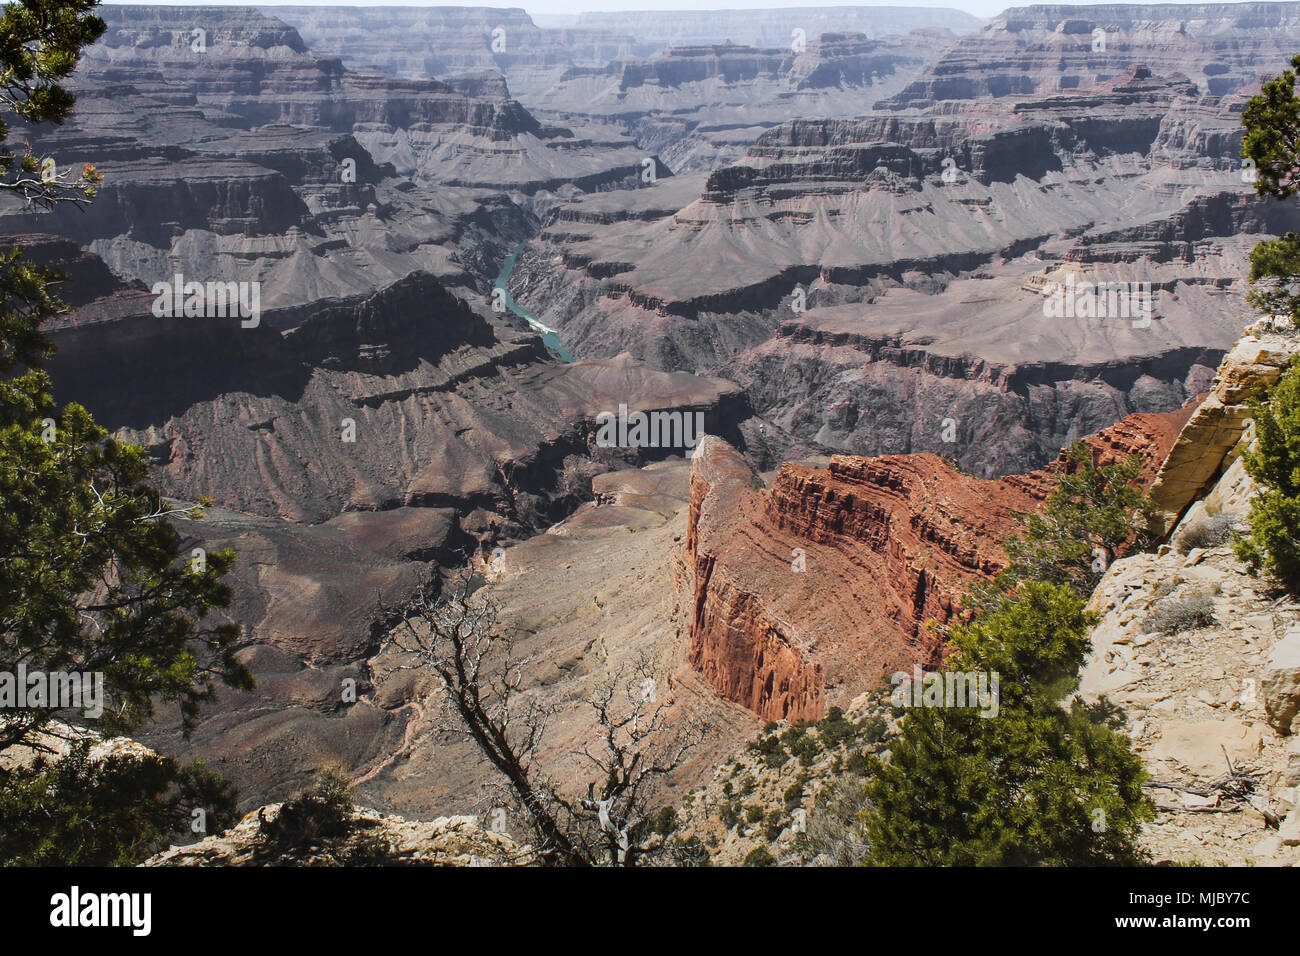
pixel 1037 784
pixel 759 856
pixel 793 795
pixel 1035 643
pixel 92 577
pixel 771 750
pixel 729 813
pixel 320 814
pixel 1274 266
pixel 872 729
pixel 773 825
pixel 835 728
pixel 1094 513
pixel 1272 121
pixel 40 45
pixel 117 811
pixel 1273 542
pixel 665 821
pixel 858 763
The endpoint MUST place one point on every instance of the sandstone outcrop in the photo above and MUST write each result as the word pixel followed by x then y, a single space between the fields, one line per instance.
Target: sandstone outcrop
pixel 1218 694
pixel 1195 702
pixel 1210 441
pixel 1280 683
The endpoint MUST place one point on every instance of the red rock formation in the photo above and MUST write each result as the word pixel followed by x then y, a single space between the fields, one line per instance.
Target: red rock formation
pixel 885 545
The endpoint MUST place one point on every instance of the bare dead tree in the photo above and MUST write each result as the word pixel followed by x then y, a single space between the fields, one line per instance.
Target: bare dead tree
pixel 636 751
pixel 456 631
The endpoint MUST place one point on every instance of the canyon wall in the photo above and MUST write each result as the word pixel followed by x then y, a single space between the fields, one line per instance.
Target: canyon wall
pixel 1047 47
pixel 871 282
pixel 818 587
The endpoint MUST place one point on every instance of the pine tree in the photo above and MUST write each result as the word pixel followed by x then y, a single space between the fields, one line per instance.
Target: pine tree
pixel 1037 784
pixel 91 575
pixel 1273 542
pixel 1093 514
pixel 1272 146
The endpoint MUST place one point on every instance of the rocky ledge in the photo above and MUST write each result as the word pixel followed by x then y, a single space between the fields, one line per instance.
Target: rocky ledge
pixel 1202 657
pixel 383 839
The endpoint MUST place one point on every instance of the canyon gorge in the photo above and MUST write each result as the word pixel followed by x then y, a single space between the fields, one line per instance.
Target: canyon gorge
pixel 833 232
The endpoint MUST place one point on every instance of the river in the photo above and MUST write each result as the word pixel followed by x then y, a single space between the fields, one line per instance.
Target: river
pixel 549 336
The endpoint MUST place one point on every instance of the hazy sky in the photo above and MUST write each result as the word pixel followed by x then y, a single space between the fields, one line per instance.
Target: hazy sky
pixel 981 8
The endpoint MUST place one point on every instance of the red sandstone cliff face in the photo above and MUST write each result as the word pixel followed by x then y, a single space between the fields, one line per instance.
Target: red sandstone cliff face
pixel 810 591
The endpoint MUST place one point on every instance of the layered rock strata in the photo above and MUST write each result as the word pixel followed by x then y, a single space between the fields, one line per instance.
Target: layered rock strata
pixel 818 587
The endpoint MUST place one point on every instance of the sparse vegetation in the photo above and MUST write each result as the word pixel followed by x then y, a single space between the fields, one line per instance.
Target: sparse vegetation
pixel 1172 615
pixel 834 825
pixel 454 630
pixel 771 750
pixel 665 821
pixel 1211 532
pixel 780 812
pixel 314 816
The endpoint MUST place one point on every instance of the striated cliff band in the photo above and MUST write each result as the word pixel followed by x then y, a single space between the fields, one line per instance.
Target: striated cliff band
pixel 867 279
pixel 813 589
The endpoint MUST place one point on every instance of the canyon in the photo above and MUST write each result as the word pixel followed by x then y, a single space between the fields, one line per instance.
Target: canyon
pixel 885 275
pixel 840 252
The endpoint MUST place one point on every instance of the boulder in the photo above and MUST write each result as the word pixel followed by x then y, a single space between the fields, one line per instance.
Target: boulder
pixel 1200 745
pixel 1280 683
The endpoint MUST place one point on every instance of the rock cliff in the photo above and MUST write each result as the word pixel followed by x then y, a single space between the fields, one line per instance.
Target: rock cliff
pixel 383 839
pixel 816 588
pixel 1047 47
pixel 463 436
